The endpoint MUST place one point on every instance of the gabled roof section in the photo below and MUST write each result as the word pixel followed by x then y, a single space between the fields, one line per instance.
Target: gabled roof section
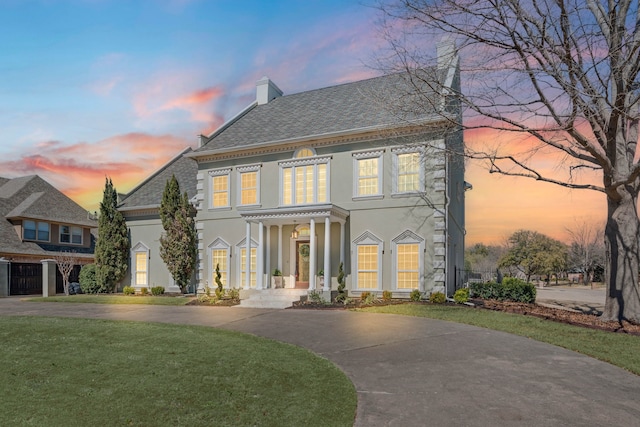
pixel 32 197
pixel 148 194
pixel 362 105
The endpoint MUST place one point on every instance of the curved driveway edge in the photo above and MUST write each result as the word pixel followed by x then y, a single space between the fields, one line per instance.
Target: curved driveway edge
pixel 412 371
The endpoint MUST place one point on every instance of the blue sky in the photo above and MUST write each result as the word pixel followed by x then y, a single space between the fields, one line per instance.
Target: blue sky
pixel 96 88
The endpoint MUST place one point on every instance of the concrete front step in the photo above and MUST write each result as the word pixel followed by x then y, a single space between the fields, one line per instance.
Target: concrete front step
pixel 273 298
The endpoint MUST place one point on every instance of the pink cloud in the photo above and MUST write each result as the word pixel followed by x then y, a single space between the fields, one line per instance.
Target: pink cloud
pixel 79 169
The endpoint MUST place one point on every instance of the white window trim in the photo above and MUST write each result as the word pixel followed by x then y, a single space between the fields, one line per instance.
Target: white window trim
pixel 244 169
pixel 395 170
pixel 139 248
pixel 239 264
pixel 218 244
pixel 366 238
pixel 216 173
pixel 307 161
pixel 356 170
pixel 407 237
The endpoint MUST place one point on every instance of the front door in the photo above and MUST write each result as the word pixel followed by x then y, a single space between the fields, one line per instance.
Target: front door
pixel 303 251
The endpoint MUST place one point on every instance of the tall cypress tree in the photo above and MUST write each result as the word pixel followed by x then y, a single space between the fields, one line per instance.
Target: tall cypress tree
pixel 170 202
pixel 112 247
pixel 178 247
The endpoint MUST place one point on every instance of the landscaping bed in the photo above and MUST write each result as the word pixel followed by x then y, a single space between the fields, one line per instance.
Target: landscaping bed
pixel 549 313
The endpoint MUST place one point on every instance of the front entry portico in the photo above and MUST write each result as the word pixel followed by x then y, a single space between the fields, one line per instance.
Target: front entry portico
pixel 297 234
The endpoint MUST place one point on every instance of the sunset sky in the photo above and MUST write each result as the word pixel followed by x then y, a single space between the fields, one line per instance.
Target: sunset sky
pixel 95 88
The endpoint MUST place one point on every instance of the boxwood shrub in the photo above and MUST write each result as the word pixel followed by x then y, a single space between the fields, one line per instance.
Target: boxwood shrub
pixel 511 289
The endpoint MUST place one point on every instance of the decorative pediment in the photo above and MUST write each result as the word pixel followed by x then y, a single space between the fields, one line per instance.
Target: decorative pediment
pixel 242 243
pixel 408 236
pixel 140 247
pixel 219 243
pixel 367 238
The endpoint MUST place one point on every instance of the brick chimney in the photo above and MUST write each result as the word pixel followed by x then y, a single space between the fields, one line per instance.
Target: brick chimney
pixel 266 91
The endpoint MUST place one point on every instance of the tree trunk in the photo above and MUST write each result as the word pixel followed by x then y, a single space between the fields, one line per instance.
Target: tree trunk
pixel 622 258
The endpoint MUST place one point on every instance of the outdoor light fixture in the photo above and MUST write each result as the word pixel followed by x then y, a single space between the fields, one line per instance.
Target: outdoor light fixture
pixel 294 234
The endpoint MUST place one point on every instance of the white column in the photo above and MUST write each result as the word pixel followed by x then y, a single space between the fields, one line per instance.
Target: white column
pixel 280 247
pixel 268 261
pixel 327 255
pixel 342 245
pixel 260 257
pixel 312 255
pixel 247 264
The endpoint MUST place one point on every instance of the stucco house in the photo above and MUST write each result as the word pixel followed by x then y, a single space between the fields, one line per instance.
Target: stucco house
pixel 38 223
pixel 302 183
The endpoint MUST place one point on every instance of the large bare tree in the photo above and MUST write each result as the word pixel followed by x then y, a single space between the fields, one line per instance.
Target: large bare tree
pixel 558 80
pixel 66 261
pixel 586 250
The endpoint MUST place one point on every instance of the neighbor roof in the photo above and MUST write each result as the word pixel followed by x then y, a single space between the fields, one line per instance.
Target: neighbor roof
pixel 149 193
pixel 362 105
pixel 31 197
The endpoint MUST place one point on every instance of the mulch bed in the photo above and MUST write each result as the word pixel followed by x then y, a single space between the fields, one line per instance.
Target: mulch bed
pixel 549 313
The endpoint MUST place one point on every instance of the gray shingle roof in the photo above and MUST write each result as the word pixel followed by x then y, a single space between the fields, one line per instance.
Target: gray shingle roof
pixel 149 192
pixel 31 197
pixel 358 105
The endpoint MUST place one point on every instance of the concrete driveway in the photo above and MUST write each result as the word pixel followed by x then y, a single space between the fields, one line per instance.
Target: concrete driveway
pixel 418 372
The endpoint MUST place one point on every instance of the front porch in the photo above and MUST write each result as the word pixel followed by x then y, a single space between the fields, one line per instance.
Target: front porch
pixel 302 255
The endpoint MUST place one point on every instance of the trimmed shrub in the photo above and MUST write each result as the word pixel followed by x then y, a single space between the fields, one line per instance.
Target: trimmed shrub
pixel 87 278
pixel 386 295
pixel 144 291
pixel 511 289
pixel 157 290
pixel 367 298
pixel 461 295
pixel 129 290
pixel 415 295
pixel 437 298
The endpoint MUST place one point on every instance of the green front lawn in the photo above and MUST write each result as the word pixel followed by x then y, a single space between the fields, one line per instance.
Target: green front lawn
pixel 622 350
pixel 116 299
pixel 80 372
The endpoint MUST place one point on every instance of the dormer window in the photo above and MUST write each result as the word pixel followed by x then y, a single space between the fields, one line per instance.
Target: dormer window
pixel 34 230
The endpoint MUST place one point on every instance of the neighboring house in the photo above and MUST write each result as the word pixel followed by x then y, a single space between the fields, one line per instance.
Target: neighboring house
pixel 140 209
pixel 304 182
pixel 37 223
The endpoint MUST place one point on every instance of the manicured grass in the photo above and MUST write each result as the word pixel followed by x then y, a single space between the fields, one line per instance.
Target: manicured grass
pixel 81 372
pixel 116 299
pixel 619 349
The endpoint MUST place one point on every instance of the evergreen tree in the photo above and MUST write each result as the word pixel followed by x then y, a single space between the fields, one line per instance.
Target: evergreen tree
pixel 112 247
pixel 178 247
pixel 170 202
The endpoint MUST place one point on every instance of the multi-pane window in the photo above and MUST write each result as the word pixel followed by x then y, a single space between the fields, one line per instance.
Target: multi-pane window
pixel 219 262
pixel 408 266
pixel 243 266
pixel 305 182
pixel 249 188
pixel 69 234
pixel 408 172
pixel 220 191
pixel 33 230
pixel 367 266
pixel 367 171
pixel 141 259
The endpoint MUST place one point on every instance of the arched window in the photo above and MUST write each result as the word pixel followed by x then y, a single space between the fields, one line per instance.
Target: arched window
pixel 304 152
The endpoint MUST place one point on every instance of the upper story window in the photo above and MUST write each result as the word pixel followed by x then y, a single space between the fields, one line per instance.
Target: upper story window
pixel 367 168
pixel 408 171
pixel 220 188
pixel 304 152
pixel 35 230
pixel 304 180
pixel 249 177
pixel 69 234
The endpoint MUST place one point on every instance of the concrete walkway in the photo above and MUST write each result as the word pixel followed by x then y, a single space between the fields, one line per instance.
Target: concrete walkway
pixel 416 372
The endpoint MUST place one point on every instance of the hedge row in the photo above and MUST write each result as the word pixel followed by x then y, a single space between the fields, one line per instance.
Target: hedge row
pixel 511 289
